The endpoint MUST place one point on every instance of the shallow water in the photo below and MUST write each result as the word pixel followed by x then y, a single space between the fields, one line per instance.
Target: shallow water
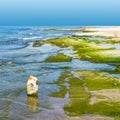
pixel 116 46
pixel 18 60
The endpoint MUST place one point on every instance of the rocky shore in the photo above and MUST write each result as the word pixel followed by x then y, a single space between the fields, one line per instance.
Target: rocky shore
pixel 91 94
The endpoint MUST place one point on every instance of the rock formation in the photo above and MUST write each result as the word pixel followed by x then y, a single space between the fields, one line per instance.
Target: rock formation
pixel 32 86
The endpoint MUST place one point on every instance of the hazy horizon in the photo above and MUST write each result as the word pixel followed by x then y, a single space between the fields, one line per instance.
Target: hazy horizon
pixel 59 13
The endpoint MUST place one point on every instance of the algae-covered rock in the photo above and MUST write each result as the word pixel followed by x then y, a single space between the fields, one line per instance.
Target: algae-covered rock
pixel 97 80
pixel 59 58
pixel 98 51
pixel 38 43
pixel 61 83
pixel 106 56
pixel 90 92
pixel 97 99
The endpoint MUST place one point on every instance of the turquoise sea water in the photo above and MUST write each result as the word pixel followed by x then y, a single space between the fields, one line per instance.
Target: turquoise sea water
pixel 18 60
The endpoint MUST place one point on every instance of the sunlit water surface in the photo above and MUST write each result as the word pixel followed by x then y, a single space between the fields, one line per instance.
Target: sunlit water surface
pixel 18 60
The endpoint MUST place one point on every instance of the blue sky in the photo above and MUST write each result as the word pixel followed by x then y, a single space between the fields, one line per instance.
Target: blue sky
pixel 60 12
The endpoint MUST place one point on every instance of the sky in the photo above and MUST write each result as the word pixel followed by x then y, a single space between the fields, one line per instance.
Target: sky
pixel 59 12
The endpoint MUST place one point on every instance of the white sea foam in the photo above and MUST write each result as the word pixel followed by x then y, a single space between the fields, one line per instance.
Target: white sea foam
pixel 32 38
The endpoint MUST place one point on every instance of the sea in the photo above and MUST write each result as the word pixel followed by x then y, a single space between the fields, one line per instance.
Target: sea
pixel 19 59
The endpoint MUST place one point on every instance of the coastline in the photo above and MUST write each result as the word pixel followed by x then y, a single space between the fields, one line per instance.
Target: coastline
pixel 64 65
pixel 89 47
pixel 107 32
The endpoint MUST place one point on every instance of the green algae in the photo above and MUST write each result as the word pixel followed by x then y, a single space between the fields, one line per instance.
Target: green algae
pixel 118 69
pixel 104 56
pixel 79 98
pixel 106 108
pixel 101 97
pixel 61 93
pixel 94 81
pixel 117 118
pixel 61 82
pixel 63 78
pixel 112 41
pixel 38 43
pixel 98 81
pixel 76 107
pixel 61 42
pixel 59 58
pixel 80 93
pixel 80 107
pixel 86 49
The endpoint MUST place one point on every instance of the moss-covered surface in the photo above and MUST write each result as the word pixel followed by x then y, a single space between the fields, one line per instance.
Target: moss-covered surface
pixel 91 92
pixel 86 49
pixel 98 81
pixel 81 93
pixel 116 118
pixel 59 58
pixel 61 93
pixel 38 43
pixel 62 80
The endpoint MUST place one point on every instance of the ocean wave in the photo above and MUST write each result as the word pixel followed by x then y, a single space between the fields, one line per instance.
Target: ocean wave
pixel 32 38
pixel 49 36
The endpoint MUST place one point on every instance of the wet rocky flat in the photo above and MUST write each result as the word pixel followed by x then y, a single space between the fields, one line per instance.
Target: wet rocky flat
pixel 91 93
pixel 78 75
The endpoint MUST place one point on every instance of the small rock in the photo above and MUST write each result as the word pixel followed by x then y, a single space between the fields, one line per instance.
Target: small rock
pixel 32 85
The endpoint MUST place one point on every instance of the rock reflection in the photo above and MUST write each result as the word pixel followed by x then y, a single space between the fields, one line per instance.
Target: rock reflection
pixel 32 102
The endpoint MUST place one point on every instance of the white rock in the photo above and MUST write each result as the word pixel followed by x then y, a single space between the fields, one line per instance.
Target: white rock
pixel 32 85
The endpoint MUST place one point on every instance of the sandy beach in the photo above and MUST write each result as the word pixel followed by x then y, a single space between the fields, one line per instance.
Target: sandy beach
pixel 107 32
